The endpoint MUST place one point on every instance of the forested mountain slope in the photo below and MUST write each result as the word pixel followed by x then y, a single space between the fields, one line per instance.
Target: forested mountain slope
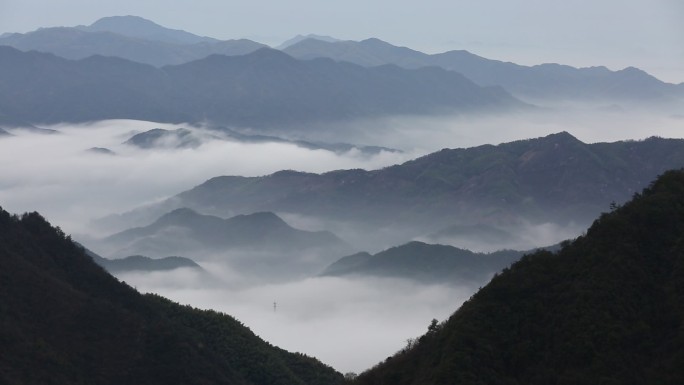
pixel 64 320
pixel 607 308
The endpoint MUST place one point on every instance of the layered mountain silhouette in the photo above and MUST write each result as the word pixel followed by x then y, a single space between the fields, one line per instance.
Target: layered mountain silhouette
pixel 260 245
pixel 128 37
pixel 556 179
pixel 266 88
pixel 66 321
pixel 428 263
pixel 536 83
pixel 189 138
pixel 185 229
pixel 606 308
pixel 140 40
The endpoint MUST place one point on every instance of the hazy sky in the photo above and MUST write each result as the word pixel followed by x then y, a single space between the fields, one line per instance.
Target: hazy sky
pixel 648 34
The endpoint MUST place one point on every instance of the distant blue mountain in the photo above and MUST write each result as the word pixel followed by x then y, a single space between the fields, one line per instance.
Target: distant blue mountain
pixel 135 26
pixel 265 88
pixel 543 81
pixel 127 37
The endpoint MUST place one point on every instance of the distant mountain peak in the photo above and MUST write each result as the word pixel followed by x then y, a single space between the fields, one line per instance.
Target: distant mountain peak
pixel 374 41
pixel 262 218
pixel 128 20
pixel 563 135
pixel 138 27
pixel 310 36
pixel 178 216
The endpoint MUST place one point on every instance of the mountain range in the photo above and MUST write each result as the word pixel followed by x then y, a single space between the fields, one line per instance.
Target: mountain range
pixel 136 39
pixel 266 88
pixel 67 321
pixel 532 83
pixel 127 37
pixel 606 308
pixel 553 179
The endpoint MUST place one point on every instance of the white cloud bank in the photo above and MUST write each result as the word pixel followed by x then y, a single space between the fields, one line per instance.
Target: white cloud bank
pixel 350 324
pixel 57 176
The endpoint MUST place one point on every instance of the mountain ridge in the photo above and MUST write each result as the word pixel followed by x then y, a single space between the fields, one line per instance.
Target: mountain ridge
pixel 265 88
pixel 136 26
pixel 428 263
pixel 79 43
pixel 606 308
pixel 553 179
pixel 531 83
pixel 65 320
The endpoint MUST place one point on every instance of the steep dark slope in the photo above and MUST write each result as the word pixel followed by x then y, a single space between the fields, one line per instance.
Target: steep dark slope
pixel 607 308
pixel 266 88
pixel 555 178
pixel 66 321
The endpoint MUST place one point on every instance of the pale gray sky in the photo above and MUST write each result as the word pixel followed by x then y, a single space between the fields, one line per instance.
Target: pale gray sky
pixel 648 34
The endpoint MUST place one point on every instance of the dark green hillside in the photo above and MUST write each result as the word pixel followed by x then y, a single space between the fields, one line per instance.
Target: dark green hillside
pixel 64 320
pixel 606 309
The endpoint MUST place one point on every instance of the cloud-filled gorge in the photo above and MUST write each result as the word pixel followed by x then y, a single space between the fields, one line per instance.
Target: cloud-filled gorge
pixel 331 318
pixel 350 324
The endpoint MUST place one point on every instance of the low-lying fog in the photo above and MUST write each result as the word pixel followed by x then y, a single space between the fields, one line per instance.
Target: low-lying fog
pixel 349 324
pixel 589 124
pixel 57 175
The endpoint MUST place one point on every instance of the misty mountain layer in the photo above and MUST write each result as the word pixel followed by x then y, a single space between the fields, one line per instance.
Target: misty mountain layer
pixel 554 179
pixel 425 263
pixel 266 88
pixel 258 243
pixel 189 138
pixel 607 308
pixel 66 321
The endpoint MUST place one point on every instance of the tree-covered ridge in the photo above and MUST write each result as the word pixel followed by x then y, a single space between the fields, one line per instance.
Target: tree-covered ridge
pixel 64 320
pixel 607 308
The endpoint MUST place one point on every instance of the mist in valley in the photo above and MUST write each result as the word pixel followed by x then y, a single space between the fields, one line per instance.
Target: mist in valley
pixel 588 122
pixel 349 323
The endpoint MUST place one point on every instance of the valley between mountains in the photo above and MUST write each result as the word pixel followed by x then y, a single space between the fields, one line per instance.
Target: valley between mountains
pixel 178 208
